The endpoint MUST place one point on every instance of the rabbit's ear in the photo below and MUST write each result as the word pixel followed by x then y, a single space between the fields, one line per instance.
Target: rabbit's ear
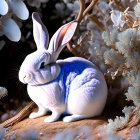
pixel 40 32
pixel 62 36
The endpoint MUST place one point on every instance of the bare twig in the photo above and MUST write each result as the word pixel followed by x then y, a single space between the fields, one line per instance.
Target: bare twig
pixel 21 115
pixel 91 6
pixel 82 8
pixel 119 4
pixel 71 49
pixel 78 19
pixel 82 13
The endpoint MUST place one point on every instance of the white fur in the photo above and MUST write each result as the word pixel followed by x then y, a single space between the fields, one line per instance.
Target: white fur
pixel 85 91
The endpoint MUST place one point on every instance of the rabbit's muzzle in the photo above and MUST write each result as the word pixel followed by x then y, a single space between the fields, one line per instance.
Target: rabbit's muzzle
pixel 27 78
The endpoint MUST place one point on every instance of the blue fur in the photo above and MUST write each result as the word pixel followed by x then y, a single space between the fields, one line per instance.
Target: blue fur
pixel 69 71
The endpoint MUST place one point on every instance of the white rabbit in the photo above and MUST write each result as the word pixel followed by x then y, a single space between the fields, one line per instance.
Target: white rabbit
pixel 73 85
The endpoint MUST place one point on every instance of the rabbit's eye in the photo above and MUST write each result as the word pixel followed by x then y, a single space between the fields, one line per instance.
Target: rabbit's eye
pixel 42 66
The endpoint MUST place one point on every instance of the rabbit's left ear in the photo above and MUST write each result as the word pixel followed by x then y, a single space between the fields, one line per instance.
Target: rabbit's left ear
pixel 62 36
pixel 40 32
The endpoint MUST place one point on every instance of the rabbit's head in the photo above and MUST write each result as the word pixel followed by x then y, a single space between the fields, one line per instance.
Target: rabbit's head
pixel 39 67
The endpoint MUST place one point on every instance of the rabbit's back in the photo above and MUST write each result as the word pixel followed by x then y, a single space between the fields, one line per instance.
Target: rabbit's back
pixel 79 73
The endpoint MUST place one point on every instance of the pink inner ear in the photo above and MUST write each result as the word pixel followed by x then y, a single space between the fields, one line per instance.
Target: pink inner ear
pixel 67 33
pixel 64 30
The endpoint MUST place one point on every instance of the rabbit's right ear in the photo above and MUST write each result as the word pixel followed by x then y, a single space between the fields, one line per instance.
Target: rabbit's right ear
pixel 40 32
pixel 62 36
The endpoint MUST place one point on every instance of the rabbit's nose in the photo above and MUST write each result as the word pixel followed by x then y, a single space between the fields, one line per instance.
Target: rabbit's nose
pixel 27 78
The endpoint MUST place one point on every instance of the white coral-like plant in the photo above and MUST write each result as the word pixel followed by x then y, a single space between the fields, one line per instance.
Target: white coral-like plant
pixel 118 121
pixel 3 92
pixel 8 26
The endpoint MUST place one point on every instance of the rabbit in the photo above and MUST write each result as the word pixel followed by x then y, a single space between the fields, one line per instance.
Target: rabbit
pixel 74 85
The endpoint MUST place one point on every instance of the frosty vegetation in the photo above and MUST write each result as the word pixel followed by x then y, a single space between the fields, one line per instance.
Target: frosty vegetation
pixel 8 26
pixel 80 133
pixel 32 134
pixel 108 35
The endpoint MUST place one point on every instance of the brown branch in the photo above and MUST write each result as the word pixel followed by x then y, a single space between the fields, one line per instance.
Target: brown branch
pixel 91 6
pixel 78 19
pixel 74 51
pixel 119 4
pixel 81 10
pixel 82 13
pixel 21 115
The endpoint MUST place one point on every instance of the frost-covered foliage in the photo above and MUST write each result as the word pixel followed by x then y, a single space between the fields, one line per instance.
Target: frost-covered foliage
pixel 2 133
pixel 3 92
pixel 6 135
pixel 134 133
pixel 79 133
pixel 36 3
pixel 119 121
pixel 125 45
pixel 32 134
pixel 8 26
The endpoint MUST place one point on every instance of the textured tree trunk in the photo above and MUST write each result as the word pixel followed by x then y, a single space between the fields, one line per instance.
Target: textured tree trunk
pixel 20 116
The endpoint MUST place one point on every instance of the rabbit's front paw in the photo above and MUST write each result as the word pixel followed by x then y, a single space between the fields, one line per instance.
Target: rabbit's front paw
pixel 34 115
pixel 73 118
pixel 42 111
pixel 50 119
pixel 54 117
pixel 67 119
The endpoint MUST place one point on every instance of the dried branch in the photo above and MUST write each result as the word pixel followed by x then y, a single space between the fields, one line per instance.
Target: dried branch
pixel 82 8
pixel 82 13
pixel 119 4
pixel 91 6
pixel 71 49
pixel 78 19
pixel 21 115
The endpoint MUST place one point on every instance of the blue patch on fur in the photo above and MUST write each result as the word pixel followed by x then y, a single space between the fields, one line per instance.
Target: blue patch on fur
pixel 68 73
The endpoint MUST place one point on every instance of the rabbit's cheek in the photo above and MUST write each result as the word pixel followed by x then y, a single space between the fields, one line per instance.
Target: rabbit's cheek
pixel 45 76
pixel 41 77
